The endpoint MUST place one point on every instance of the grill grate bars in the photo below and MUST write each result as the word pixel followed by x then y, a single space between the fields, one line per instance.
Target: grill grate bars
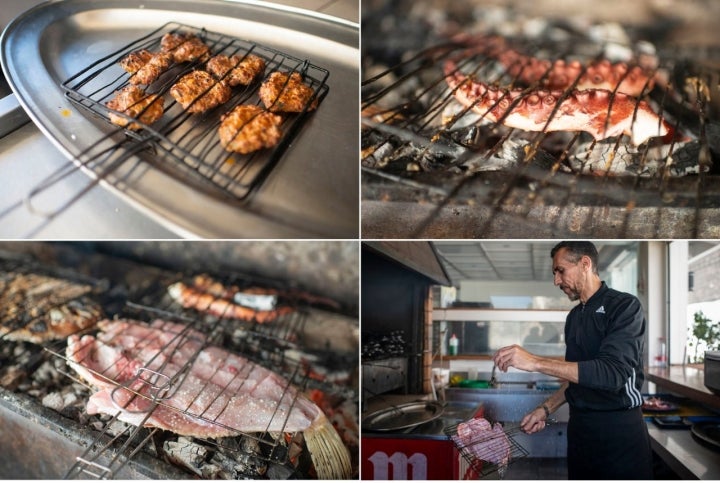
pixel 416 135
pixel 184 144
pixel 154 383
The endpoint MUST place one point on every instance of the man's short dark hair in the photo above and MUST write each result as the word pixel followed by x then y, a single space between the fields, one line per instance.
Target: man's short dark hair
pixel 577 250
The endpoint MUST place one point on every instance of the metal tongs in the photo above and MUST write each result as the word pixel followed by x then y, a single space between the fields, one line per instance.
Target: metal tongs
pixel 493 381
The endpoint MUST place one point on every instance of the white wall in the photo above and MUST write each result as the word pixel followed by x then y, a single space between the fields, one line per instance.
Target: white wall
pixel 678 302
pixel 652 291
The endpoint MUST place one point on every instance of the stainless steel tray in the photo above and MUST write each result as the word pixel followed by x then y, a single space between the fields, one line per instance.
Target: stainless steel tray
pixel 313 192
pixel 402 416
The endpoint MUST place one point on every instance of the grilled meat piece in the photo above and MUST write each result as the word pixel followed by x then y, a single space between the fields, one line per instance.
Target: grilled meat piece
pixel 198 91
pixel 208 296
pixel 287 93
pixel 236 70
pixel 153 68
pixel 38 308
pixel 132 101
pixel 249 128
pixel 184 47
pixel 292 296
pixel 135 60
pixel 206 392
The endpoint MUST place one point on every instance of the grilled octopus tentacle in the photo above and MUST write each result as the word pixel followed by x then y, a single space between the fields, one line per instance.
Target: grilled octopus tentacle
pixel 599 112
pixel 559 74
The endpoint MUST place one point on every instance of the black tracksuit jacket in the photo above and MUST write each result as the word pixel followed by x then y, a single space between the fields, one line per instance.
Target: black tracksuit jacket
pixel 605 337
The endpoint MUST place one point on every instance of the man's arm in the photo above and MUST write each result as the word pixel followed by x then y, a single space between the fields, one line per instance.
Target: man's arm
pixel 534 421
pixel 517 357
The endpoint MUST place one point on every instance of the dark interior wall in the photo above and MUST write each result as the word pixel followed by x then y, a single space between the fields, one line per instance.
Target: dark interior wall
pixel 392 299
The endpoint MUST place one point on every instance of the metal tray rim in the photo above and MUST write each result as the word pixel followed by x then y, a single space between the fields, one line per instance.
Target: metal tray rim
pixel 433 410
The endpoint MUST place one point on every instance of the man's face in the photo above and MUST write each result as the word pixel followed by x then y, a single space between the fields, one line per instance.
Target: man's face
pixel 569 275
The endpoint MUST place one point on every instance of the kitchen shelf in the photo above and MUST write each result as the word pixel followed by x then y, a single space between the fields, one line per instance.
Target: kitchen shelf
pixel 687 381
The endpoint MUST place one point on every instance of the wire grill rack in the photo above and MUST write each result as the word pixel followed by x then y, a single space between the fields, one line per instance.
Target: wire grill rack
pixel 31 297
pixel 151 390
pixel 487 453
pixel 186 143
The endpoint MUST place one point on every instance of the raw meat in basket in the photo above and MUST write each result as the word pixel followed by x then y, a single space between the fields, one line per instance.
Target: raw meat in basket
pixel 166 375
pixel 488 442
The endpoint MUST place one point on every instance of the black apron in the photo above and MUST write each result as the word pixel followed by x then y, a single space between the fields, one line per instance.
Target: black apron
pixel 608 445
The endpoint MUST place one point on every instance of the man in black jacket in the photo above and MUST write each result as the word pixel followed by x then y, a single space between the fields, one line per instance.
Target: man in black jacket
pixel 603 372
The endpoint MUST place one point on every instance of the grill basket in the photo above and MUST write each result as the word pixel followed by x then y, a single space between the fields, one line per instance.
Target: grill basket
pixel 487 454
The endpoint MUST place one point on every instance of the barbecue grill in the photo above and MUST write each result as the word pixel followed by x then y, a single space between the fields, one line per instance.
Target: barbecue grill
pixel 182 142
pixel 436 168
pixel 50 395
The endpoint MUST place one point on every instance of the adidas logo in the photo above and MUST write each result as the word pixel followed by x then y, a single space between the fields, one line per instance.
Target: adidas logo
pixel 601 310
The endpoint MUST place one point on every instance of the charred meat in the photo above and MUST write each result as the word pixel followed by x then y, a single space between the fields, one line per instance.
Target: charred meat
pixel 236 70
pixel 135 60
pixel 153 68
pixel 287 93
pixel 134 102
pixel 207 295
pixel 249 128
pixel 285 296
pixel 38 308
pixel 184 47
pixel 198 91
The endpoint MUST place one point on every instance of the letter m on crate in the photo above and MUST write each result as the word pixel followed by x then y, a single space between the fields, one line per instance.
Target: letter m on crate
pixel 393 458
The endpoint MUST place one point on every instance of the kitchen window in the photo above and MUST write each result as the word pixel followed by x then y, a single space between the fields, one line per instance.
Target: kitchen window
pixel 693 295
pixel 515 302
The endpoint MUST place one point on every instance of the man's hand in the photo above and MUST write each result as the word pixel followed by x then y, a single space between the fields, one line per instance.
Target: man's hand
pixel 515 356
pixel 533 421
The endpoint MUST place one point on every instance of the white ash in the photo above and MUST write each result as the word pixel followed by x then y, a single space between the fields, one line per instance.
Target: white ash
pixel 186 454
pixel 633 161
pixel 232 458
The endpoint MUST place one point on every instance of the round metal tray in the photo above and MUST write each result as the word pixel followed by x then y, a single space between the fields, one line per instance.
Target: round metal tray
pixel 313 192
pixel 707 432
pixel 403 416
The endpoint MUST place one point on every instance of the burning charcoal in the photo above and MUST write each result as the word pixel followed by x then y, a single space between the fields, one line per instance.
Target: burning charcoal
pixel 186 454
pixel 221 467
pixel 11 377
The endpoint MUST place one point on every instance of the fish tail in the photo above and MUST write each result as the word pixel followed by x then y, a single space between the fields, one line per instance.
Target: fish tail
pixel 329 454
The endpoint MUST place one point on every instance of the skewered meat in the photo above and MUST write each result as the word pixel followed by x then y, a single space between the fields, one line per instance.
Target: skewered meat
pixel 289 295
pixel 184 47
pixel 485 441
pixel 165 375
pixel 199 92
pixel 287 93
pixel 249 128
pixel 207 296
pixel 242 70
pixel 155 66
pixel 135 60
pixel 38 308
pixel 132 101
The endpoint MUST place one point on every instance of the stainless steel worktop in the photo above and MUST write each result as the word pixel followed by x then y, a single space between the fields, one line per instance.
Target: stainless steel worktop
pixel 684 455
